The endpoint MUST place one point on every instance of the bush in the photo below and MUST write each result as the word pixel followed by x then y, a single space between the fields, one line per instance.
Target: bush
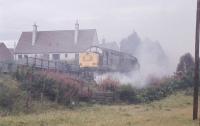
pixel 109 84
pixel 64 89
pixel 54 86
pixel 127 93
pixel 11 96
pixel 158 89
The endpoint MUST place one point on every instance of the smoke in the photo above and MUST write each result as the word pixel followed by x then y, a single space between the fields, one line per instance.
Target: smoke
pixel 138 79
pixel 154 63
pixel 133 78
pixel 153 60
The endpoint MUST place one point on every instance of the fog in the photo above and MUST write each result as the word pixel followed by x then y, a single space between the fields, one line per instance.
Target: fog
pixel 171 22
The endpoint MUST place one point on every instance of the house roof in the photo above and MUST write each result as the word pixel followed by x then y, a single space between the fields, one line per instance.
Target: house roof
pixel 5 54
pixel 56 41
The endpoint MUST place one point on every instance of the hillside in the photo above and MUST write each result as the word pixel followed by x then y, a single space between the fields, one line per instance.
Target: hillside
pixel 175 110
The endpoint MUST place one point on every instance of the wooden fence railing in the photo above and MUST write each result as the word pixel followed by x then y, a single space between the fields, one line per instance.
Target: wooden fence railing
pixel 47 64
pixel 57 66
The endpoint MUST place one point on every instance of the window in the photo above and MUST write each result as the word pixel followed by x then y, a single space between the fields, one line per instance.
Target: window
pixel 19 56
pixel 56 56
pixel 25 56
pixel 76 55
pixel 66 55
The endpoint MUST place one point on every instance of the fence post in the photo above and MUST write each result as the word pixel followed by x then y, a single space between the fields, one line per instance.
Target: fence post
pixel 48 64
pixel 35 61
pixel 55 66
pixel 41 63
pixel 42 92
pixel 27 60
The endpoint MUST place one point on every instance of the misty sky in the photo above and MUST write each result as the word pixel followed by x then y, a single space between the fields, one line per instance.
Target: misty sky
pixel 171 22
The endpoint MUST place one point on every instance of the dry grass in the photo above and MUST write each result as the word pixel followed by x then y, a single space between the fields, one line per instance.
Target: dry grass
pixel 175 110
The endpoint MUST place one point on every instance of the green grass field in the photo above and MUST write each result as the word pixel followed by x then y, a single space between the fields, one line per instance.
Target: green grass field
pixel 175 110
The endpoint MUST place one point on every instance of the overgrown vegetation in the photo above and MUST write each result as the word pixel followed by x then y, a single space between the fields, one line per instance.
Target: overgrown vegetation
pixel 26 89
pixel 166 87
pixel 10 95
pixel 23 90
pixel 157 88
pixel 54 86
pixel 39 87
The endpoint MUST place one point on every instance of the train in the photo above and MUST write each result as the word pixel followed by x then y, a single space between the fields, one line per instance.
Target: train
pixel 102 59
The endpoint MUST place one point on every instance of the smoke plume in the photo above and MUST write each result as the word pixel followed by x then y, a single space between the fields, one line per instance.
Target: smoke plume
pixel 153 62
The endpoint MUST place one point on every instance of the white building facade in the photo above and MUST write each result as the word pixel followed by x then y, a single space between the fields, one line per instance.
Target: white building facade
pixel 60 45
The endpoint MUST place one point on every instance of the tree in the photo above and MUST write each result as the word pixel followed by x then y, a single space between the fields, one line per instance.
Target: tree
pixel 186 64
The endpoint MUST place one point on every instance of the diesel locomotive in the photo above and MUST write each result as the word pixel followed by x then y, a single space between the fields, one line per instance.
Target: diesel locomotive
pixel 107 60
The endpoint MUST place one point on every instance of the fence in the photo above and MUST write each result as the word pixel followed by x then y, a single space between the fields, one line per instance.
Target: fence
pixel 42 64
pixel 103 97
pixel 47 64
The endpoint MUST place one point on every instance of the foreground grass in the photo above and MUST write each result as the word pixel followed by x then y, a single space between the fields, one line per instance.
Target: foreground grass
pixel 175 110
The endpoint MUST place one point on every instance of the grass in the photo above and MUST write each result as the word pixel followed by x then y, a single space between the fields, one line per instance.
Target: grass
pixel 175 110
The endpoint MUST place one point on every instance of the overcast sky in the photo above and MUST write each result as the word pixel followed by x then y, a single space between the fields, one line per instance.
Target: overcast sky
pixel 171 22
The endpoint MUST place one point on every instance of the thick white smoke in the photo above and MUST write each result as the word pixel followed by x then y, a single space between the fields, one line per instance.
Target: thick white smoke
pixel 133 78
pixel 153 64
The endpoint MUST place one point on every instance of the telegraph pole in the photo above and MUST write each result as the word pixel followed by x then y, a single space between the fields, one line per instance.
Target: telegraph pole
pixel 196 71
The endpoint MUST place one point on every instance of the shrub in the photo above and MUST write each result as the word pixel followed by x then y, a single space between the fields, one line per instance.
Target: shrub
pixel 127 93
pixel 11 95
pixel 65 88
pixel 109 84
pixel 54 86
pixel 156 90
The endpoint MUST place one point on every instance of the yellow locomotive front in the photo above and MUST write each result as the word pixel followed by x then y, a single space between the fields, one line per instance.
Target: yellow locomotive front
pixel 89 60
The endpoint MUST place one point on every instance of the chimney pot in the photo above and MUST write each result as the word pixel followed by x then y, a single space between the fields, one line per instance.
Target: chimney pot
pixel 34 34
pixel 76 32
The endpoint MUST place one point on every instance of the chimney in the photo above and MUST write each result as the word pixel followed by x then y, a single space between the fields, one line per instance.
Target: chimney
pixel 34 34
pixel 76 32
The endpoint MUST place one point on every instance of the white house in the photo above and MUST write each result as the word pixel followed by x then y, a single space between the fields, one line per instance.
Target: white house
pixel 63 45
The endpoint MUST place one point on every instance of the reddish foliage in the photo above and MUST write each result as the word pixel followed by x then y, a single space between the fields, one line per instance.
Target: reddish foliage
pixel 156 81
pixel 109 84
pixel 85 93
pixel 72 87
